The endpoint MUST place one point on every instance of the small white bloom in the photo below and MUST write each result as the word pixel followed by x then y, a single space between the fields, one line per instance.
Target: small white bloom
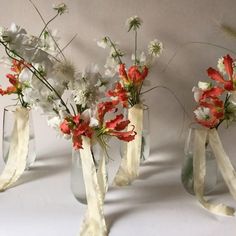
pixel 141 59
pixel 204 85
pixel 202 113
pixel 103 43
pixel 197 93
pixel 54 122
pixel 155 48
pixel 221 66
pixel 60 8
pixel 134 22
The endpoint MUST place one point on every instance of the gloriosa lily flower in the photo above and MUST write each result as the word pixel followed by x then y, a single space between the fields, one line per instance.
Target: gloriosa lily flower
pixel 229 84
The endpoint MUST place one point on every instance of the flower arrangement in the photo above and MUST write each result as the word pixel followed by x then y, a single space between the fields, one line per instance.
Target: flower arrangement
pixel 216 101
pixel 128 88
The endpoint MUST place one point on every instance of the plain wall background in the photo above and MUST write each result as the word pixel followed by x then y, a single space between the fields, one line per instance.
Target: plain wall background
pixel 174 22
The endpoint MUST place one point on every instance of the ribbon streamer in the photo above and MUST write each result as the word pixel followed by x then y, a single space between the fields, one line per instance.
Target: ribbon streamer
pixel 199 167
pixel 18 151
pixel 129 167
pixel 96 186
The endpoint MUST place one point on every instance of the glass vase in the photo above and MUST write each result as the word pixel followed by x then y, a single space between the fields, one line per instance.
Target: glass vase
pixel 145 148
pixel 187 168
pixel 77 178
pixel 8 124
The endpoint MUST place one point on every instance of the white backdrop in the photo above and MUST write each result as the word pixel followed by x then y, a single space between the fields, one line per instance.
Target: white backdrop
pixel 156 204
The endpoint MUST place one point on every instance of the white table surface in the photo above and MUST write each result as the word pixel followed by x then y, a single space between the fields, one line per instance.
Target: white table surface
pixel 155 205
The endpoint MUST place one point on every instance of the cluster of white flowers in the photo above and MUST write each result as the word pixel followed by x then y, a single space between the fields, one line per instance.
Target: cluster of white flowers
pixel 88 88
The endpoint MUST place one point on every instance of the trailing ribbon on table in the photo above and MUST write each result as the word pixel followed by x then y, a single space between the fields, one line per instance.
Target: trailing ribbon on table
pixel 224 165
pixel 18 151
pixel 96 186
pixel 129 167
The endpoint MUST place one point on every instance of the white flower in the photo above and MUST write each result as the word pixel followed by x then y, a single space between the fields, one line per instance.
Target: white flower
pixel 90 115
pixel 54 122
pixel 204 85
pixel 103 43
pixel 221 66
pixel 202 113
pixel 155 48
pixel 64 72
pixel 133 23
pixel 196 93
pixel 111 67
pixel 60 8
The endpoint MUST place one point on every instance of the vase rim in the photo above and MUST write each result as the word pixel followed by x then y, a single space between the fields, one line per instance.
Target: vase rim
pixel 12 108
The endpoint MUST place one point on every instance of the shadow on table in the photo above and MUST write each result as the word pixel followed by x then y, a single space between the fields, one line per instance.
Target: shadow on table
pixel 164 161
pixel 46 166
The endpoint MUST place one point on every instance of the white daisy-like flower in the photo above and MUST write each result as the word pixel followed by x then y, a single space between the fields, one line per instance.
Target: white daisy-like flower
pixel 155 48
pixel 204 85
pixel 61 8
pixel 133 23
pixel 202 113
pixel 103 43
pixel 64 72
pixel 221 66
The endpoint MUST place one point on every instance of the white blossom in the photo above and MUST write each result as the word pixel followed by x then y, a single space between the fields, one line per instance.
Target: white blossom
pixel 202 113
pixel 155 48
pixel 221 66
pixel 133 22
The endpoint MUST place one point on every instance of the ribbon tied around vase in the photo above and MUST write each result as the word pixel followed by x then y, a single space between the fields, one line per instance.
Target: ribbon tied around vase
pixel 129 167
pixel 95 181
pixel 199 169
pixel 18 151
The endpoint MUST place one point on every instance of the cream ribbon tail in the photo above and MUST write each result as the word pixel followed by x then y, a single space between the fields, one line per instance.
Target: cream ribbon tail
pixel 95 184
pixel 199 166
pixel 129 167
pixel 18 151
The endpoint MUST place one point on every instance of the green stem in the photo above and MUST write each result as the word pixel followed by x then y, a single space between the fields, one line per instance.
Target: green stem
pixel 114 47
pixel 135 46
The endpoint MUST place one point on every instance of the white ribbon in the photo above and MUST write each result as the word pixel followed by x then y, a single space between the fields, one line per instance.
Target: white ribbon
pixel 96 186
pixel 199 167
pixel 129 167
pixel 18 151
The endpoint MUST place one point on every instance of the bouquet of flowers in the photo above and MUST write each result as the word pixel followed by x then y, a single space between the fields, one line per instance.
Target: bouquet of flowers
pixel 42 78
pixel 216 104
pixel 128 90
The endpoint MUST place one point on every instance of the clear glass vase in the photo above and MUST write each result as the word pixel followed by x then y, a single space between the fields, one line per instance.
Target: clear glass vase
pixel 145 146
pixel 145 149
pixel 77 178
pixel 187 168
pixel 8 124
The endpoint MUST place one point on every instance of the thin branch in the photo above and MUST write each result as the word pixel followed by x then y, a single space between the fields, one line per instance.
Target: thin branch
pixel 189 43
pixel 45 23
pixel 67 44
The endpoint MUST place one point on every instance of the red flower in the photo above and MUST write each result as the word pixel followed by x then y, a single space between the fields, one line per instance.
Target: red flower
pixel 126 136
pixel 215 75
pixel 215 113
pixel 136 75
pixel 117 123
pixel 76 127
pixel 211 93
pixel 65 128
pixel 121 94
pixel 105 107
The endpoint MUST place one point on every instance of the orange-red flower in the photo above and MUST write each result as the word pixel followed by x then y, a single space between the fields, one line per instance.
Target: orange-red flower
pixel 76 127
pixel 136 74
pixel 120 93
pixel 216 75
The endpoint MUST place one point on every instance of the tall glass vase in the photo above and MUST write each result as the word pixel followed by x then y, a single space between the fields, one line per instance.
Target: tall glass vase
pixel 187 168
pixel 8 124
pixel 77 178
